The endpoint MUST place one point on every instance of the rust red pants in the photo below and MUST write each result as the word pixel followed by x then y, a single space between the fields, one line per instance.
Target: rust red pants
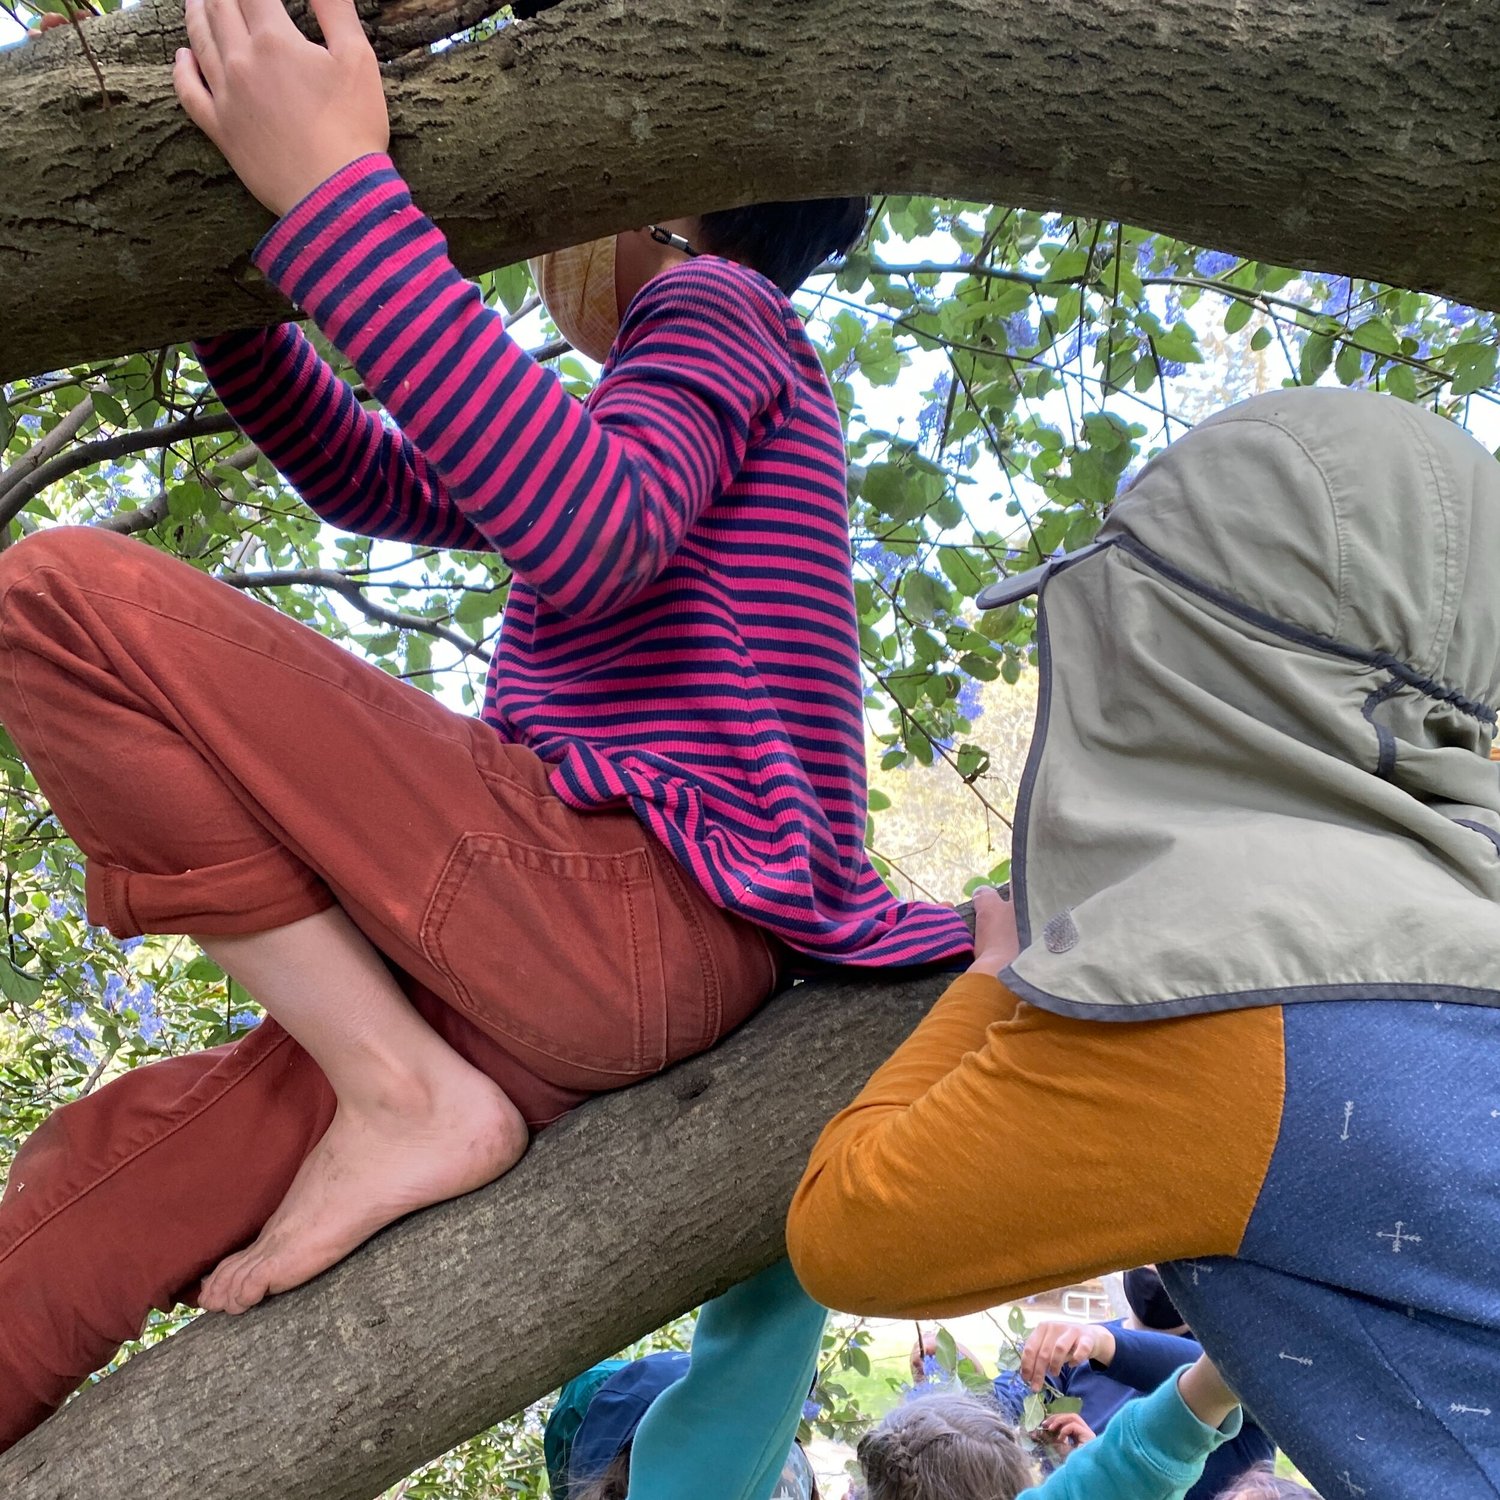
pixel 227 770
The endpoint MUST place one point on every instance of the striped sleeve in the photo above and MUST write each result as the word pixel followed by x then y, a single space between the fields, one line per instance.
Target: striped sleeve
pixel 353 470
pixel 587 505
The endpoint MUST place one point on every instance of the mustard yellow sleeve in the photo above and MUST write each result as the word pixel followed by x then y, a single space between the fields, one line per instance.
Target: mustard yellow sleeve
pixel 860 1206
pixel 1004 1149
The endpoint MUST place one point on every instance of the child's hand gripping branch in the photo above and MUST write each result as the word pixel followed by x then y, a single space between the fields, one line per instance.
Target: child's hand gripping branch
pixel 286 113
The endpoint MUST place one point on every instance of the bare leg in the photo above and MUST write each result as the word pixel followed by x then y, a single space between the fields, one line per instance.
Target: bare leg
pixel 415 1123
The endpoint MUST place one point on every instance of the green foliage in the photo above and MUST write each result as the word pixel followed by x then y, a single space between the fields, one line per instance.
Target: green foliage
pixel 1001 373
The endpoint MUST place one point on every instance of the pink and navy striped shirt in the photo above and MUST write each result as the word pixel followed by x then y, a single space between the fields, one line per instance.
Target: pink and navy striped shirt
pixel 681 632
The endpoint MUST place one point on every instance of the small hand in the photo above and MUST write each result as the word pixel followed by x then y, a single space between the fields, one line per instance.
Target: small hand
pixel 286 113
pixel 1053 1346
pixel 995 941
pixel 46 23
pixel 1065 1432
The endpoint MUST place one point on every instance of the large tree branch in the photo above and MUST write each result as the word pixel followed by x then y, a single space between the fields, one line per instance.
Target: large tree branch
pixel 1345 135
pixel 626 1213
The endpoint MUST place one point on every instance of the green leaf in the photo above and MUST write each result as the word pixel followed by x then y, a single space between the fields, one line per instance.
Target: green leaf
pixel 962 570
pixel 1033 1412
pixel 1237 315
pixel 947 1350
pixel 1016 1322
pixel 1317 355
pixel 1062 1406
pixel 878 800
pixel 1401 380
pixel 110 409
pixel 1261 338
pixel 1375 334
pixel 924 596
pixel 1348 365
pixel 18 986
pixel 512 285
pixel 1473 368
pixel 973 762
pixel 1179 343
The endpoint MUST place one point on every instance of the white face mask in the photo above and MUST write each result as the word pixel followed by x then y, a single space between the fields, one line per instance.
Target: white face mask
pixel 577 287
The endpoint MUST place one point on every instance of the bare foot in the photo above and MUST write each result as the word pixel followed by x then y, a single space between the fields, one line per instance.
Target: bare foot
pixel 373 1165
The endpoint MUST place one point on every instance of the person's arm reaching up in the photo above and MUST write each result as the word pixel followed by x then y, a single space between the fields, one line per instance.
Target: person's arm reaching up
pixel 588 505
pixel 726 1427
pixel 1154 1448
pixel 352 469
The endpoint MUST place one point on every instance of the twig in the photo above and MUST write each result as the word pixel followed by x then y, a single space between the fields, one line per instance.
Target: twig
pixel 42 450
pixel 88 52
pixel 347 588
pixel 14 495
pixel 99 1067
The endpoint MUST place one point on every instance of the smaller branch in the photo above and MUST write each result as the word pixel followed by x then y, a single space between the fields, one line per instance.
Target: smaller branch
pixel 42 450
pixel 101 450
pixel 99 1067
pixel 88 51
pixel 528 305
pixel 142 518
pixel 907 876
pixel 908 716
pixel 347 588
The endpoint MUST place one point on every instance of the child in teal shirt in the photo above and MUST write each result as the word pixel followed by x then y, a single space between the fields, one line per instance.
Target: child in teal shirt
pixel 726 1427
pixel 961 1448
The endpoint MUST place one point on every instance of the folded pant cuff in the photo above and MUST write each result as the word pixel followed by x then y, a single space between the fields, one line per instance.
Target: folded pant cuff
pixel 262 891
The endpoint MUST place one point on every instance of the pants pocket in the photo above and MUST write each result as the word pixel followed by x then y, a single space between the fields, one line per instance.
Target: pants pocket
pixel 558 954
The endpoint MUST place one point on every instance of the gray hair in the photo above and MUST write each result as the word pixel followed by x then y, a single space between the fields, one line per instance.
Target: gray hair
pixel 1263 1483
pixel 944 1448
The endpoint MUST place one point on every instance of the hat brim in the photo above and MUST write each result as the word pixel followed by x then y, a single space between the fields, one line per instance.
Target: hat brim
pixel 1023 585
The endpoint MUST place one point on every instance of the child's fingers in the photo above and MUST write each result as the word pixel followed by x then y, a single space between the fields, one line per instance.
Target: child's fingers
pixel 263 15
pixel 1036 1358
pixel 1057 1348
pixel 227 27
pixel 994 922
pixel 192 92
pixel 343 31
pixel 207 63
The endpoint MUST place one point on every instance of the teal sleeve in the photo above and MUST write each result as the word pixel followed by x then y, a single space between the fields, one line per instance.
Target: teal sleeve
pixel 1152 1449
pixel 726 1427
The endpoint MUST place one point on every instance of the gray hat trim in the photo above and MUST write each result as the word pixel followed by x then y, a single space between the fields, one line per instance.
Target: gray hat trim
pixel 1022 585
pixel 1192 1005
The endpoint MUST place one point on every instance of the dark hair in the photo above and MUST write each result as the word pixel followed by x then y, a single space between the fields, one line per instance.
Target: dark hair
pixel 785 241
pixel 1150 1300
pixel 1263 1483
pixel 944 1448
pixel 612 1484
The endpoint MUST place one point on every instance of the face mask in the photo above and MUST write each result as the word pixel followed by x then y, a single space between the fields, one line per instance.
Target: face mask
pixel 577 287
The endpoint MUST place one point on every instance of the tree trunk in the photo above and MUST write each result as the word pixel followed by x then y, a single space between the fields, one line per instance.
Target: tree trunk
pixel 628 1212
pixel 1350 135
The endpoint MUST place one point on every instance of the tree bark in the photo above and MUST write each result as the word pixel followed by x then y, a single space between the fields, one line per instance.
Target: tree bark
pixel 628 1212
pixel 1349 135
